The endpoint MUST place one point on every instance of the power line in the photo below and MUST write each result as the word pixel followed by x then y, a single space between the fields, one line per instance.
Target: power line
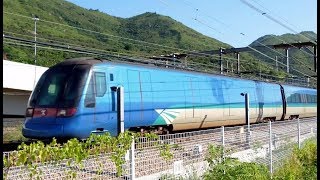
pixel 110 35
pixel 245 35
pixel 183 50
pixel 139 41
pixel 297 60
pixel 96 32
pixel 62 48
pixel 272 18
pixel 278 16
pixel 217 20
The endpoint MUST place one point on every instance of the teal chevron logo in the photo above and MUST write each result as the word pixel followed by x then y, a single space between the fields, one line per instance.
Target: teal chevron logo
pixel 166 116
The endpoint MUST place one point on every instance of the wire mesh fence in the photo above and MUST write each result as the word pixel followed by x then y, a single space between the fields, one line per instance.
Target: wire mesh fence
pixel 96 167
pixel 183 154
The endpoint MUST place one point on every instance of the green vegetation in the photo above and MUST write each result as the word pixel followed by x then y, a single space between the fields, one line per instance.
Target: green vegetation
pixel 228 168
pixel 112 37
pixel 302 164
pixel 149 27
pixel 73 152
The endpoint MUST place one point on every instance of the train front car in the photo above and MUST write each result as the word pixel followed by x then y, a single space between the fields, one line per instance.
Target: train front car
pixel 53 107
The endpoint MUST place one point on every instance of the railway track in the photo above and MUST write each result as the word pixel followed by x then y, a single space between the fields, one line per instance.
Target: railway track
pixel 13 145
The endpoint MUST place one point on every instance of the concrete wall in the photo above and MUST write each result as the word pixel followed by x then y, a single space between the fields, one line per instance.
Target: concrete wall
pixel 15 104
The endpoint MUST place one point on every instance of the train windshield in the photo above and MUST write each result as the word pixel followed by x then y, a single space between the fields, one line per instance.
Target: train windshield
pixel 60 87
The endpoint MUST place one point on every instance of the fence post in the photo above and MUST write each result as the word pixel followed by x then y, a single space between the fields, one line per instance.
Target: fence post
pixel 222 131
pixel 270 147
pixel 299 144
pixel 132 161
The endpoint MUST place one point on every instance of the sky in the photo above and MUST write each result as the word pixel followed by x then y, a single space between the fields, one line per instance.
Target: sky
pixel 230 21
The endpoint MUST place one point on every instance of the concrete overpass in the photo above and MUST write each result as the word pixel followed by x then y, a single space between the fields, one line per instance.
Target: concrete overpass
pixel 18 81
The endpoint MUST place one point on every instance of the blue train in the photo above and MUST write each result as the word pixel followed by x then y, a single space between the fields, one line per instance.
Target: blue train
pixel 76 98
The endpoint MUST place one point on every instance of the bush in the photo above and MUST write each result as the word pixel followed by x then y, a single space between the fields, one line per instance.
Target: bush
pixel 228 168
pixel 302 164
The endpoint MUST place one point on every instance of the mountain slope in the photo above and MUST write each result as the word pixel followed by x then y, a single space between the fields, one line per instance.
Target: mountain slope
pixel 149 27
pixel 64 23
pixel 300 59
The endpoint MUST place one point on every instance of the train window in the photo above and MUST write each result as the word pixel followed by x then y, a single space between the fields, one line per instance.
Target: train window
pixel 51 89
pixel 74 86
pixel 89 100
pixel 101 83
pixel 111 77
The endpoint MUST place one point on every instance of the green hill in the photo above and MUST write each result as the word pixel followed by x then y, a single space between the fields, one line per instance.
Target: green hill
pixel 64 23
pixel 300 59
pixel 149 27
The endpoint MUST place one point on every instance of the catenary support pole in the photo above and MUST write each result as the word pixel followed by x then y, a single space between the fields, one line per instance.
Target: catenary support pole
pixel 35 50
pixel 247 100
pixel 223 144
pixel 247 109
pixel 220 60
pixel 238 63
pixel 277 63
pixel 270 147
pixel 298 126
pixel 120 109
pixel 287 56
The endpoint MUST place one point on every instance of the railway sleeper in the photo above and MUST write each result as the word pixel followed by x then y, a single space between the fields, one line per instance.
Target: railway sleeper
pixel 267 119
pixel 292 117
pixel 160 130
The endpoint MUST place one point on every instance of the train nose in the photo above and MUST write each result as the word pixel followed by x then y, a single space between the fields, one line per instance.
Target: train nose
pixel 42 131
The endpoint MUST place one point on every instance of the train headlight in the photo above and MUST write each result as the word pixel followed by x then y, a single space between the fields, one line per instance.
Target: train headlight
pixel 66 112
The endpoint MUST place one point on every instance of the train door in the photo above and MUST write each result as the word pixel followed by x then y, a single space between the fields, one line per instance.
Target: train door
pixel 197 108
pixel 193 108
pixel 147 98
pixel 102 106
pixel 141 99
pixel 113 79
pixel 260 101
pixel 135 96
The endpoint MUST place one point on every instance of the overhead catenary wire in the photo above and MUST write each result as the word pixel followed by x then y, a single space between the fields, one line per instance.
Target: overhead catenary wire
pixel 91 31
pixel 243 34
pixel 183 50
pixel 139 41
pixel 279 16
pixel 112 35
pixel 273 19
pixel 79 51
pixel 250 46
pixel 105 55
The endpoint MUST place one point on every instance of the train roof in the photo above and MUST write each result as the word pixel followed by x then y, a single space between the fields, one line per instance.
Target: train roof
pixel 94 60
pixel 81 60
